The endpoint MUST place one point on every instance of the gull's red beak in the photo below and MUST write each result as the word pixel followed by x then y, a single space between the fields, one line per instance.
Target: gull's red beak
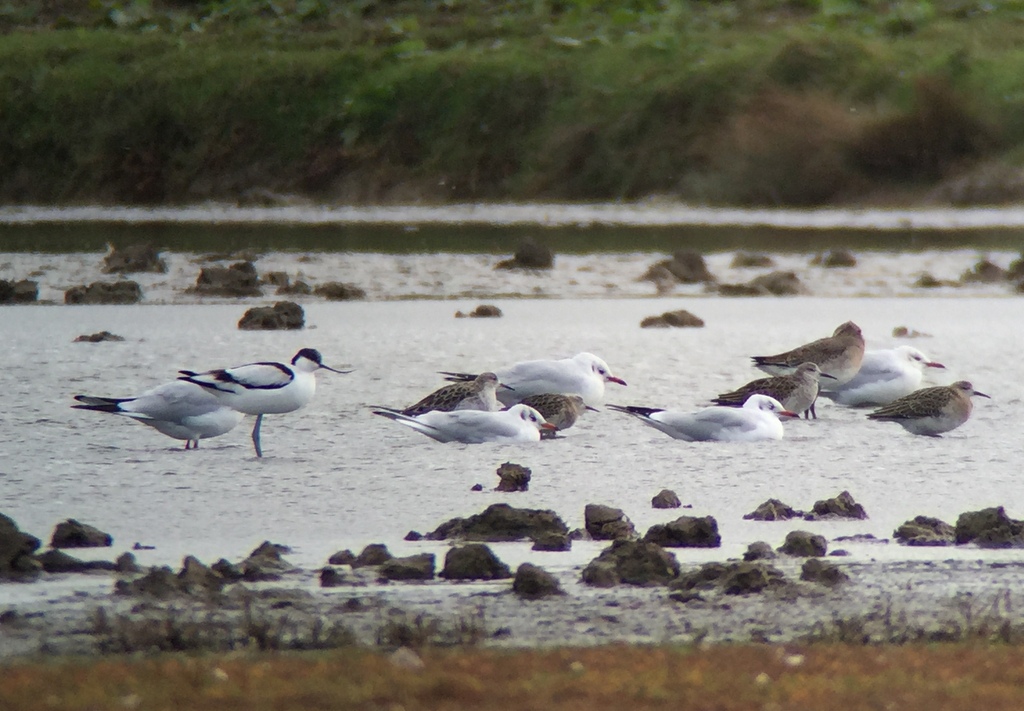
pixel 613 379
pixel 787 413
pixel 548 426
pixel 934 365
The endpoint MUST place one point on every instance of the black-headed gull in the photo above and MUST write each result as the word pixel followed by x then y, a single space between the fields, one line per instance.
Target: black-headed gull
pixel 797 391
pixel 478 394
pixel 931 411
pixel 264 388
pixel 884 375
pixel 757 420
pixel 839 355
pixel 178 409
pixel 584 374
pixel 519 423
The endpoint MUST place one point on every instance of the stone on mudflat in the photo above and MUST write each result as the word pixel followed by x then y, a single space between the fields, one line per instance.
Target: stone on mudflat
pixel 298 288
pixel 414 567
pixel 23 291
pixel 373 554
pixel 686 532
pixel 552 542
pixel 473 561
pixel 98 337
pixel 925 531
pixel 733 578
pixel 759 550
pixel 803 544
pixel 680 318
pixel 57 561
pixel 134 258
pixel 343 557
pixel 229 571
pixel 773 510
pixel 989 528
pixel 481 311
pixel 631 563
pixel 605 523
pixel 102 292
pixel 73 534
pixel 984 272
pixel 284 315
pixel 778 283
pixel 126 563
pixel 685 266
pixel 666 499
pixel 195 578
pixel 338 291
pixel 513 477
pixel 239 279
pixel 16 549
pixel 529 255
pixel 835 259
pixel 266 563
pixel 500 522
pixel 533 582
pixel 842 506
pixel 816 570
pixel 750 260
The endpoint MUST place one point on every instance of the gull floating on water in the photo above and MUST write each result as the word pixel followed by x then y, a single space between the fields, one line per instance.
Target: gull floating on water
pixel 178 409
pixel 883 376
pixel 757 420
pixel 839 355
pixel 931 411
pixel 478 394
pixel 519 423
pixel 797 391
pixel 264 388
pixel 584 374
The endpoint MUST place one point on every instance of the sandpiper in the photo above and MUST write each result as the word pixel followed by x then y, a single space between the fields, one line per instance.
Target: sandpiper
pixel 839 355
pixel 883 376
pixel 797 391
pixel 477 394
pixel 931 411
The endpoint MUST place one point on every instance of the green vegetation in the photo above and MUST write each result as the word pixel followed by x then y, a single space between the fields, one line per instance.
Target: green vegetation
pixel 785 102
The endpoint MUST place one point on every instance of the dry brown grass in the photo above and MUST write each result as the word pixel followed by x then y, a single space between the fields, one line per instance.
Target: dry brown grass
pixel 961 676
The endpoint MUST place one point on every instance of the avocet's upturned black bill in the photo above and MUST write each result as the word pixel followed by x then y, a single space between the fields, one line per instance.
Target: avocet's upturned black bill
pixel 264 388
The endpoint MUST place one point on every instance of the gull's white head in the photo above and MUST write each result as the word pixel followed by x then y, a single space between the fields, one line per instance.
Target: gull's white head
pixel 591 362
pixel 528 414
pixel 917 358
pixel 765 403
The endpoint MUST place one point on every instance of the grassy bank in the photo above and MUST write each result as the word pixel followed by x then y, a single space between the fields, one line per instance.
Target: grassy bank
pixel 932 678
pixel 754 102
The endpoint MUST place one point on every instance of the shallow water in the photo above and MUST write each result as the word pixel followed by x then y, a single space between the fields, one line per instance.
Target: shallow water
pixel 335 476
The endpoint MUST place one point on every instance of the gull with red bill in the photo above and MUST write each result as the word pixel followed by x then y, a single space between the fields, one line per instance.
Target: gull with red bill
pixel 757 420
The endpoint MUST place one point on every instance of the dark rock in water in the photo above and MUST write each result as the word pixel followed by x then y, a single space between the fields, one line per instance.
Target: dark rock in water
pixel 984 272
pixel 533 582
pixel 631 563
pixel 101 292
pixel 673 319
pixel 57 561
pixel 198 579
pixel 284 315
pixel 98 337
pixel 685 266
pixel 816 570
pixel 734 578
pixel 23 291
pixel 266 563
pixel 513 477
pixel 134 258
pixel 1016 270
pixel 842 506
pixel 835 259
pixel 229 571
pixel 926 531
pixel 666 499
pixel 773 510
pixel 738 290
pixel 927 281
pixel 759 550
pixel 476 487
pixel 473 561
pixel 16 549
pixel 299 288
pixel 159 582
pixel 804 544
pixel 240 279
pixel 72 534
pixel 413 536
pixel 344 557
pixel 529 255
pixel 554 542
pixel 414 567
pixel 337 291
pixel 686 532
pixel 500 522
pixel 332 578
pixel 605 523
pixel 373 554
pixel 481 311
pixel 748 260
pixel 989 528
pixel 126 563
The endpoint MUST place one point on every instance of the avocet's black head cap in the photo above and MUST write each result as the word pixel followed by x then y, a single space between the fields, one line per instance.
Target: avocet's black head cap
pixel 309 354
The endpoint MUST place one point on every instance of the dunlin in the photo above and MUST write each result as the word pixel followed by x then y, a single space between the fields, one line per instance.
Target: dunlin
pixel 797 392
pixel 477 394
pixel 931 411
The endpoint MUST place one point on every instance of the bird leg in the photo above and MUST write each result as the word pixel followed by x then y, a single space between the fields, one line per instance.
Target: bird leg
pixel 256 435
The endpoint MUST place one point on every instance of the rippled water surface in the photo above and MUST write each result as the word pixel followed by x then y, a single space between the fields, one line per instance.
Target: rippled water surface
pixel 335 476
